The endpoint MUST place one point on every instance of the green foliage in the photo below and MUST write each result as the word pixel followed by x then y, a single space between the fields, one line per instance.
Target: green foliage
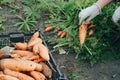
pixel 32 9
pixel 25 23
pixel 75 76
pixel 2 19
pixel 97 47
pixel 6 1
pixel 1 27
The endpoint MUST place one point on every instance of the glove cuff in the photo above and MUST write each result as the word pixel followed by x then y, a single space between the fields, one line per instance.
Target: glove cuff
pixel 98 7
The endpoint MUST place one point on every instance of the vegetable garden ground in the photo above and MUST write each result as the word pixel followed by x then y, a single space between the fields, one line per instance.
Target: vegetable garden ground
pixel 73 69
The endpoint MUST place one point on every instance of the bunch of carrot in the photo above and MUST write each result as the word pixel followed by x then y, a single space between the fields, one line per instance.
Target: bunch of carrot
pixel 26 60
pixel 60 33
pixel 83 30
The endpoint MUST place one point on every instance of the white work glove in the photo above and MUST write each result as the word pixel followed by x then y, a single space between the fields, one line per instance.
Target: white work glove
pixel 89 13
pixel 116 17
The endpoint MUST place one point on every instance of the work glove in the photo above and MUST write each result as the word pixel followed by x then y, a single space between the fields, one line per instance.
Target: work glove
pixel 89 13
pixel 116 17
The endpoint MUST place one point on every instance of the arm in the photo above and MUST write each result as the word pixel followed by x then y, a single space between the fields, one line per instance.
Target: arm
pixel 92 11
pixel 103 3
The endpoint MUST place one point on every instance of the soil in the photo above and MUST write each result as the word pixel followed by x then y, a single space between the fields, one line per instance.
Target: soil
pixel 68 65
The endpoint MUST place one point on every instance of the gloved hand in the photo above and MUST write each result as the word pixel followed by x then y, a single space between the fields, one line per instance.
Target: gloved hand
pixel 89 13
pixel 116 16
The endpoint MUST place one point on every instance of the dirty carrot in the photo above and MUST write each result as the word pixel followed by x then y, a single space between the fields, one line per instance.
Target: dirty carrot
pixel 50 28
pixel 39 60
pixel 37 75
pixel 46 70
pixel 17 65
pixel 23 53
pixel 35 35
pixel 43 52
pixel 19 75
pixel 34 41
pixel 7 77
pixel 82 33
pixel 21 46
pixel 36 48
pixel 34 57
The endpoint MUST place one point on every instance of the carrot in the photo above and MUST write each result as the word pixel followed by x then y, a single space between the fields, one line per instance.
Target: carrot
pixel 23 53
pixel 63 35
pixel 91 32
pixel 7 77
pixel 46 70
pixel 17 65
pixel 38 66
pixel 34 41
pixel 48 29
pixel 37 75
pixel 6 51
pixel 1 72
pixel 21 46
pixel 35 35
pixel 59 33
pixel 34 57
pixel 36 48
pixel 82 33
pixel 39 60
pixel 18 75
pixel 43 52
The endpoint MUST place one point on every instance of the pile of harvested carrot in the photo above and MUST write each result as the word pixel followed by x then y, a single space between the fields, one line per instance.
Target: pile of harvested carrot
pixel 25 61
pixel 83 29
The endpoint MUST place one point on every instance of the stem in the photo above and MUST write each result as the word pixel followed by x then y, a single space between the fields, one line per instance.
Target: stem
pixel 88 49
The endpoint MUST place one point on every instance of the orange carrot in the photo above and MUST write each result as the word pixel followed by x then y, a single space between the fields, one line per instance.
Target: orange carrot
pixel 38 66
pixel 34 57
pixel 46 70
pixel 39 60
pixel 17 65
pixel 59 33
pixel 7 77
pixel 1 72
pixel 23 53
pixel 34 41
pixel 43 52
pixel 21 46
pixel 63 34
pixel 91 32
pixel 50 28
pixel 37 75
pixel 82 33
pixel 35 35
pixel 18 75
pixel 36 48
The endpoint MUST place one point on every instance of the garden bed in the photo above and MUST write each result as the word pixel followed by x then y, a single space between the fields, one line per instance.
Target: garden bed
pixel 73 68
